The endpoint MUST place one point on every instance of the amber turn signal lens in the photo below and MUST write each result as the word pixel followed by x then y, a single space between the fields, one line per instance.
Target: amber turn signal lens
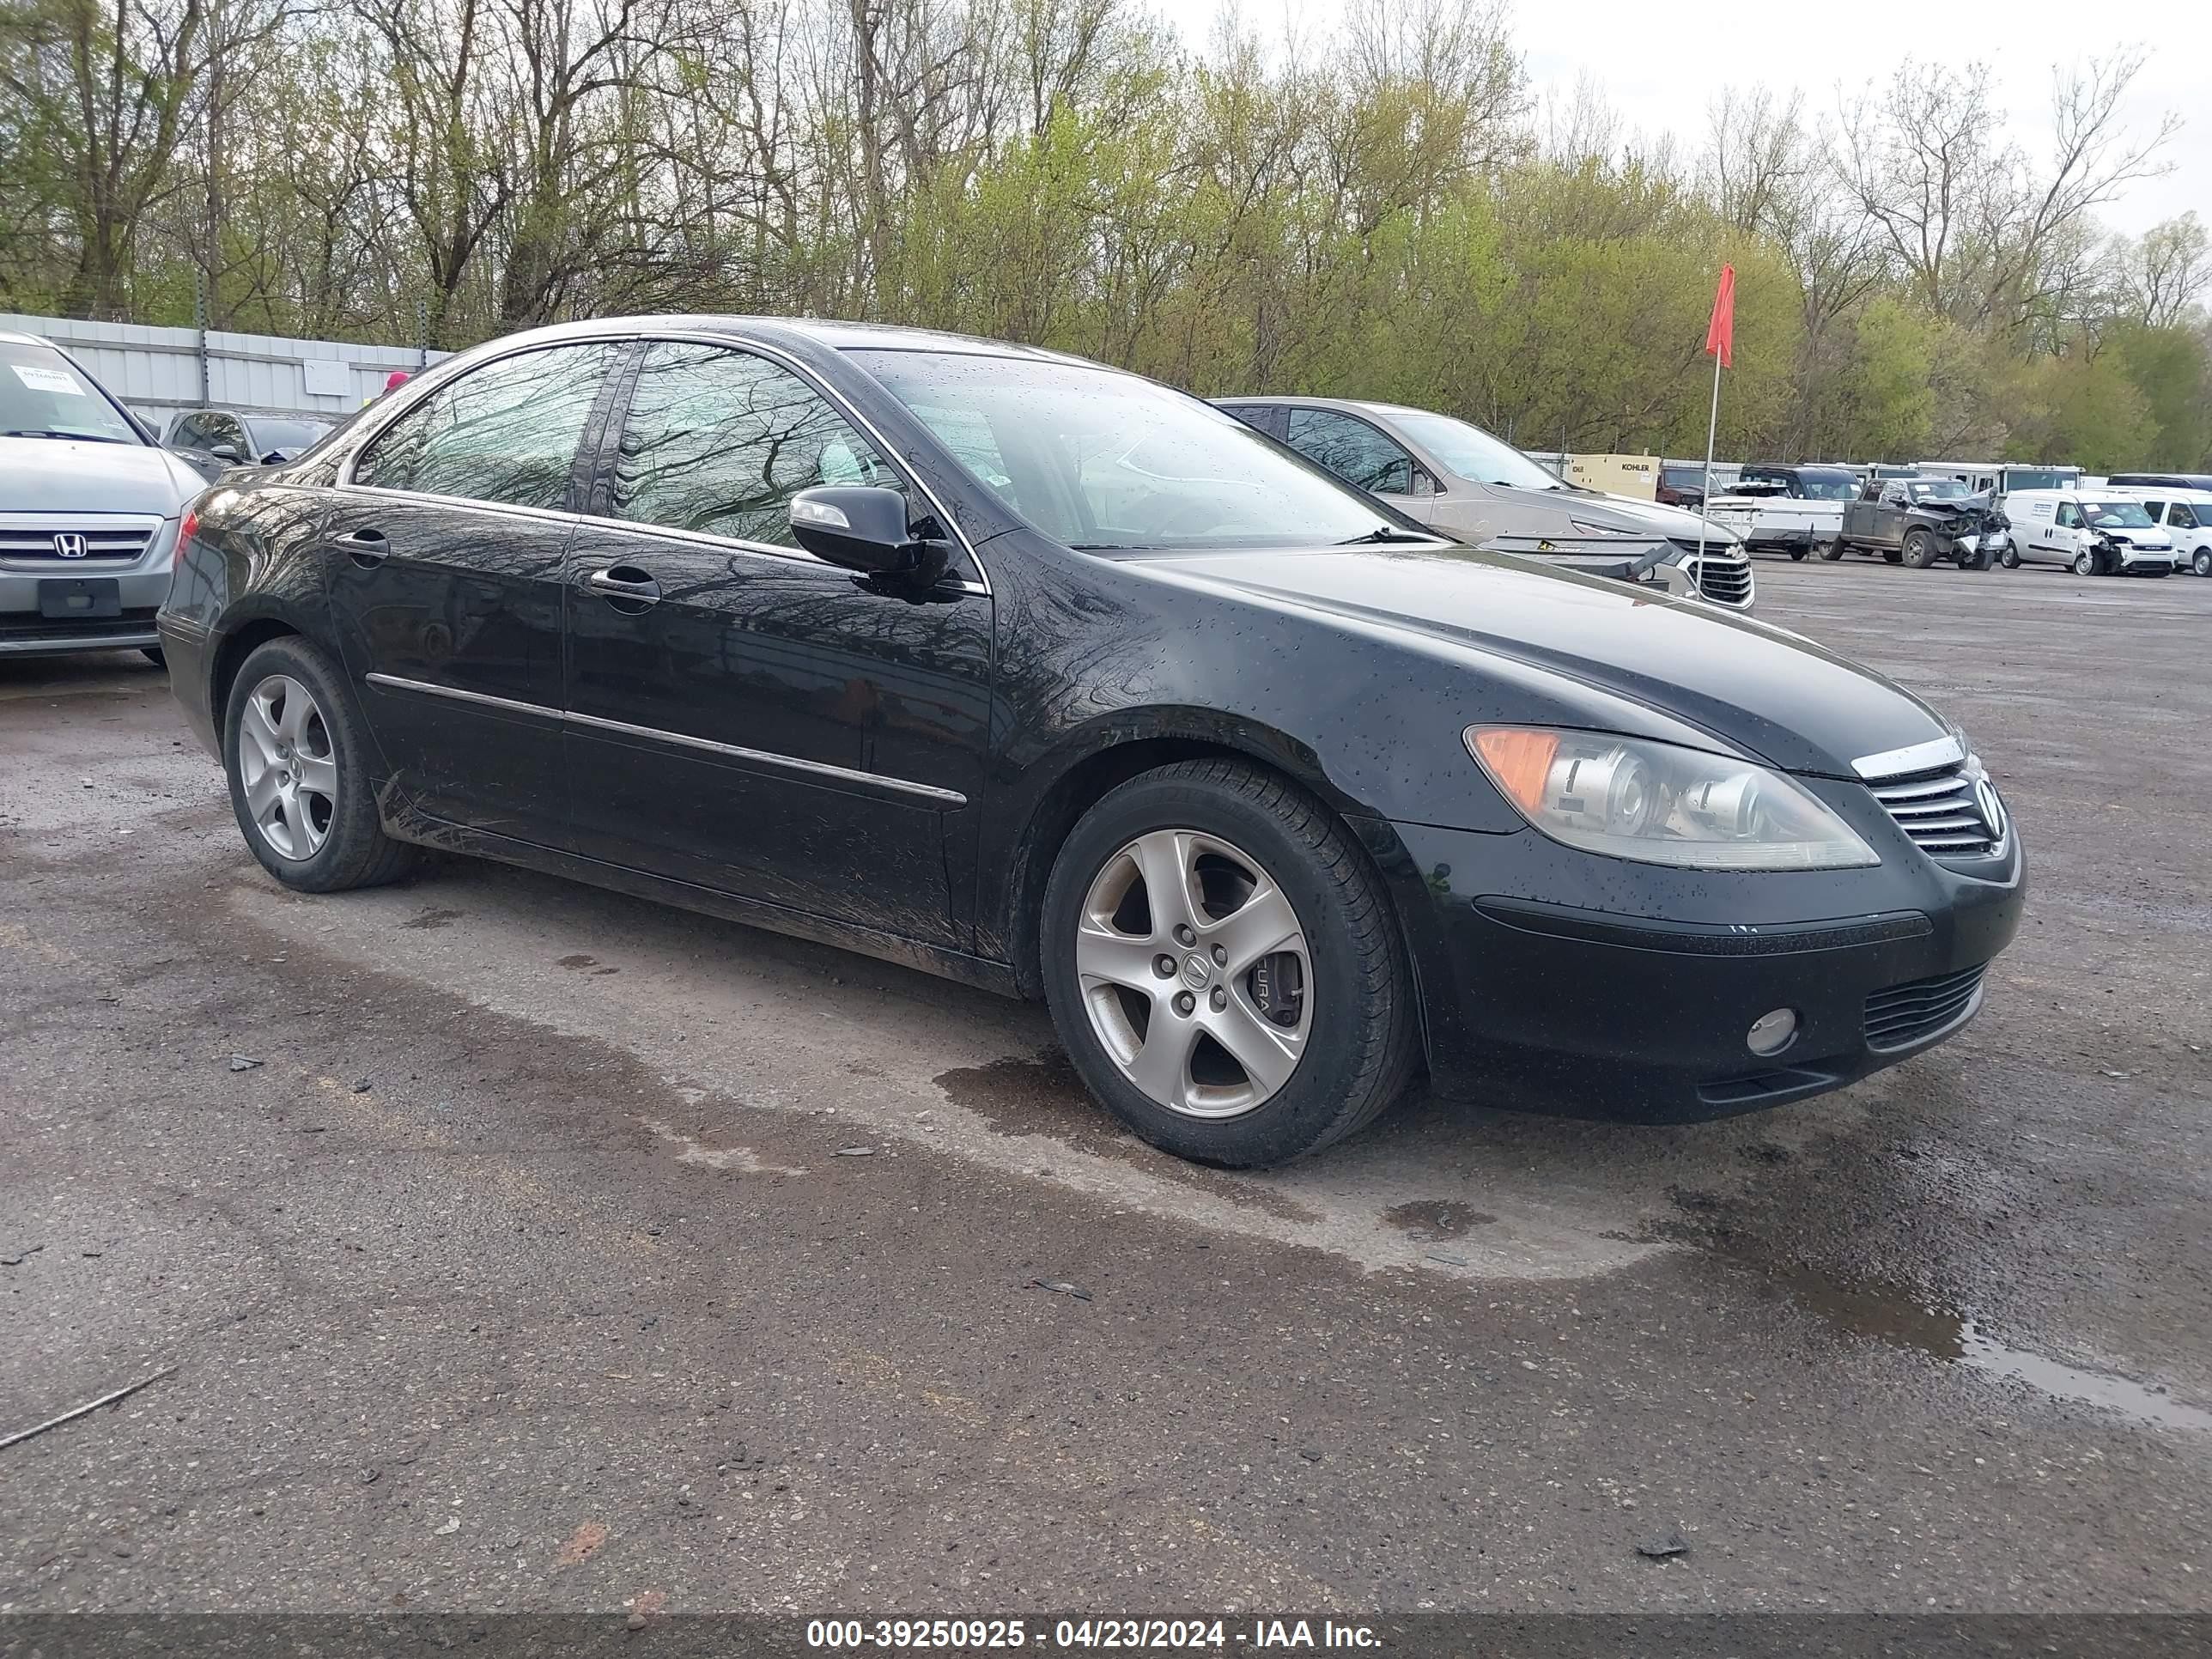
pixel 1518 760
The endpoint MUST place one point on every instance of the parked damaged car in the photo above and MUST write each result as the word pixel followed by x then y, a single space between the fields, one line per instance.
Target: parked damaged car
pixel 1920 521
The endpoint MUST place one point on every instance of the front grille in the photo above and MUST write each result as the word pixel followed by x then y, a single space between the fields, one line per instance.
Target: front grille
pixel 1905 1014
pixel 113 545
pixel 1939 810
pixel 1725 581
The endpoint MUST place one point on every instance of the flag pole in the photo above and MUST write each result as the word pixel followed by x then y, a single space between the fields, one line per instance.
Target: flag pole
pixel 1712 429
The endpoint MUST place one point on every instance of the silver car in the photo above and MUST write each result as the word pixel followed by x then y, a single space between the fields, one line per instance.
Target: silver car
pixel 89 508
pixel 1460 479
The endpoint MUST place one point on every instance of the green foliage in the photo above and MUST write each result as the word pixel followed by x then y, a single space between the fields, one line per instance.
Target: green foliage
pixel 1379 222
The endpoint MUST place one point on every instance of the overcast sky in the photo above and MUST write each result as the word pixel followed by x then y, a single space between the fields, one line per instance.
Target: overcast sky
pixel 1660 62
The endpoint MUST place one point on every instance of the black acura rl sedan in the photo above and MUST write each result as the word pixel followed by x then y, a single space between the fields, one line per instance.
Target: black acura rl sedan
pixel 1043 676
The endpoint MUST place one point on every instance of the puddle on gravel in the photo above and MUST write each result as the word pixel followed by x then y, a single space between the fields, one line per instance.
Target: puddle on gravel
pixel 1436 1218
pixel 1893 1316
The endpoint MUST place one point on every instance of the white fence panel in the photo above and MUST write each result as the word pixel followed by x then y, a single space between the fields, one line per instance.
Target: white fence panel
pixel 160 371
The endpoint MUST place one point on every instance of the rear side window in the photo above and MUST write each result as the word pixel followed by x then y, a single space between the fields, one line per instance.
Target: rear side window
pixel 1352 449
pixel 720 440
pixel 506 432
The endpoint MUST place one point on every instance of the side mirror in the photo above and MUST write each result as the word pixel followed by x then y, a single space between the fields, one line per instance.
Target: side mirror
pixel 224 451
pixel 863 527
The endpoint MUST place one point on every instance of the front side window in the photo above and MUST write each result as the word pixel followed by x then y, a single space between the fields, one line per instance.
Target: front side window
pixel 1352 449
pixel 2069 516
pixel 2185 517
pixel 42 395
pixel 1098 459
pixel 719 441
pixel 506 432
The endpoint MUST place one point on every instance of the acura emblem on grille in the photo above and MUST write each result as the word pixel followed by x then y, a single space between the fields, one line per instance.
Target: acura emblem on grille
pixel 69 544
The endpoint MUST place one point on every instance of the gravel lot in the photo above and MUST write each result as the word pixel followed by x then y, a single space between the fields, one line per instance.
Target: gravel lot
pixel 533 1265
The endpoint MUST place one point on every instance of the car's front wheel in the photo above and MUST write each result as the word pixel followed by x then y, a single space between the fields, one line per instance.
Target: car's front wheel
pixel 1919 549
pixel 1833 550
pixel 2085 563
pixel 297 756
pixel 1224 968
pixel 2010 557
pixel 2202 564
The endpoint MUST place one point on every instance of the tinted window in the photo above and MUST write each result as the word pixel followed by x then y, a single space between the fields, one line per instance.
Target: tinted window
pixel 2185 516
pixel 506 432
pixel 269 435
pixel 189 433
pixel 721 440
pixel 1352 449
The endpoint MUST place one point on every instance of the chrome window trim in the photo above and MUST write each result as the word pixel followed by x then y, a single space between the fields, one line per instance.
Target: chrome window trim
pixel 510 509
pixel 928 792
pixel 707 538
pixel 1914 757
pixel 425 386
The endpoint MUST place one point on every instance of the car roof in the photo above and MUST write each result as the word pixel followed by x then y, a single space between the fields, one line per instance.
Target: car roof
pixel 794 331
pixel 1350 405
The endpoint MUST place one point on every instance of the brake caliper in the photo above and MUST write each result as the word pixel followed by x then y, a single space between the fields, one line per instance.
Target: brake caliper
pixel 1277 987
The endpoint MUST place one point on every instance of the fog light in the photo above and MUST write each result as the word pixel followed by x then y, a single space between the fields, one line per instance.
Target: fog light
pixel 1771 1034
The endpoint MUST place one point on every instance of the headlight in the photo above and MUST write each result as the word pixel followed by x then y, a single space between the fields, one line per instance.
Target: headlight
pixel 1632 799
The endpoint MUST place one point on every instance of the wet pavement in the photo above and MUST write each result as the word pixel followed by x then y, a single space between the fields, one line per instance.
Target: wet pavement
pixel 562 1250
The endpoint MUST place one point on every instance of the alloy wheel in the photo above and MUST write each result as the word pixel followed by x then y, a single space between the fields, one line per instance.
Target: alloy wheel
pixel 288 767
pixel 1196 973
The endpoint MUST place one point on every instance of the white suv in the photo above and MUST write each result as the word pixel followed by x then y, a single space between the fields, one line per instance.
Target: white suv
pixel 2092 532
pixel 2187 516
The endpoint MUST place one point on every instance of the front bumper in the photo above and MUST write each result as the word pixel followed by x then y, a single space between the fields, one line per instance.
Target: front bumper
pixel 1557 981
pixel 140 584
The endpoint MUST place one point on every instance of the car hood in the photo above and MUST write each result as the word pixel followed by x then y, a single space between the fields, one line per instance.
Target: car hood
pixel 53 475
pixel 1770 693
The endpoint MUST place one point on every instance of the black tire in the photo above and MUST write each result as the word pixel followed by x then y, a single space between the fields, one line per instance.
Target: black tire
pixel 1833 550
pixel 2202 564
pixel 1979 559
pixel 1359 1049
pixel 1891 556
pixel 2086 563
pixel 1796 555
pixel 1919 550
pixel 355 852
pixel 2010 557
pixel 154 654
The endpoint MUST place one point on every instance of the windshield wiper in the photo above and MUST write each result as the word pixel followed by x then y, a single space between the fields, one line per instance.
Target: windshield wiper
pixel 1103 547
pixel 1385 533
pixel 70 437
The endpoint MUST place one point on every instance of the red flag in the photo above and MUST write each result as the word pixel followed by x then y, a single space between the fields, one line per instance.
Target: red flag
pixel 1720 334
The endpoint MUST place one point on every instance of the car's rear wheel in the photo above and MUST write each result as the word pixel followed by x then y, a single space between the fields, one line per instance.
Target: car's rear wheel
pixel 154 654
pixel 1796 555
pixel 1891 556
pixel 296 752
pixel 1919 549
pixel 1224 968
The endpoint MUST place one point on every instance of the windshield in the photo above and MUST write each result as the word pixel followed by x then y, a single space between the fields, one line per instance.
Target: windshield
pixel 287 434
pixel 1937 489
pixel 1828 486
pixel 2022 477
pixel 1098 459
pixel 2116 515
pixel 1473 453
pixel 42 395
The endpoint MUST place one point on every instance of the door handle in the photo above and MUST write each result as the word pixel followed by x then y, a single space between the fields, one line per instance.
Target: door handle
pixel 367 548
pixel 625 584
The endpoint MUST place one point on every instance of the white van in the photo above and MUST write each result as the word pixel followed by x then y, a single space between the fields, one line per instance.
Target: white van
pixel 2187 516
pixel 2092 532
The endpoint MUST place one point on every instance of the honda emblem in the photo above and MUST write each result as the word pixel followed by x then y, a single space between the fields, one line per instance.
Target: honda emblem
pixel 69 544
